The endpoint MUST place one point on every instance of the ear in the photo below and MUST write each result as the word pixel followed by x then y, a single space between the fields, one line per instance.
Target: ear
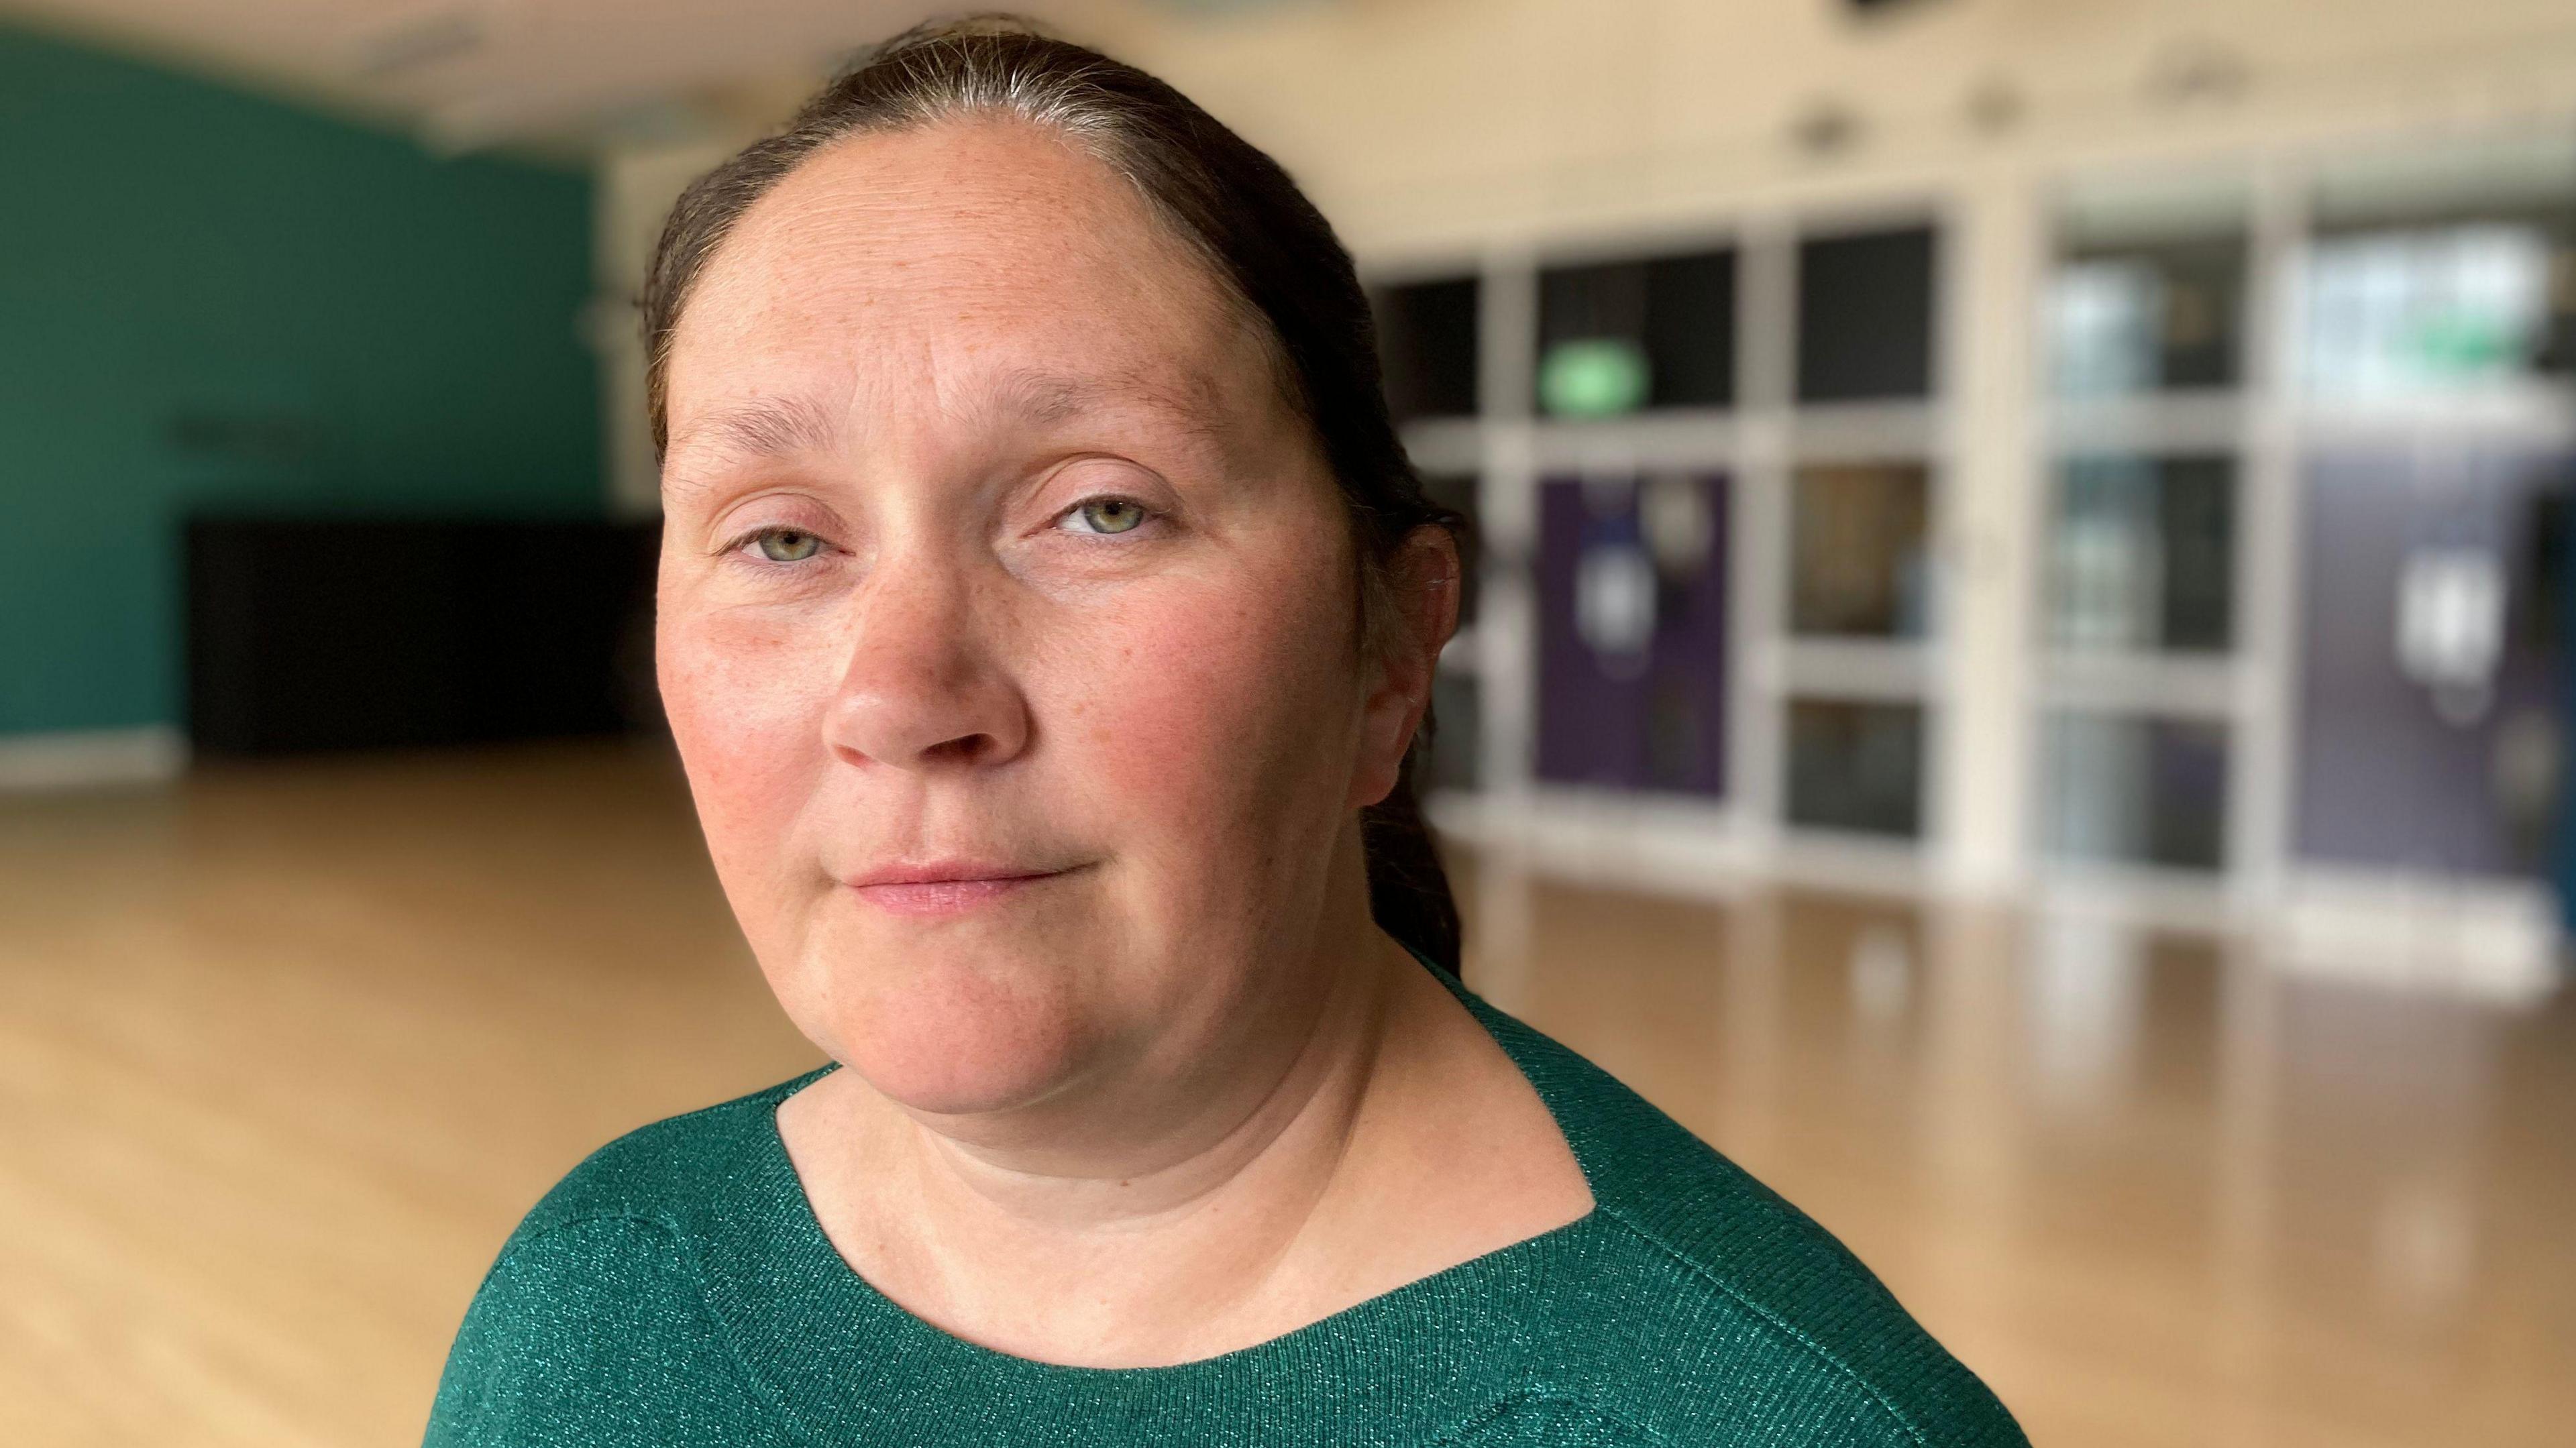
pixel 1423 582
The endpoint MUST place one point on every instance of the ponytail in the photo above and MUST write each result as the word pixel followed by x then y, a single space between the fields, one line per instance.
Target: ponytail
pixel 1408 888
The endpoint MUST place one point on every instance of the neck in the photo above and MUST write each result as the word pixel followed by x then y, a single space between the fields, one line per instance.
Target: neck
pixel 1278 1102
pixel 1121 1222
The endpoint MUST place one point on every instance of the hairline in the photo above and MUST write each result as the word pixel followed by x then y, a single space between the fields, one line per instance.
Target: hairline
pixel 1102 144
pixel 917 115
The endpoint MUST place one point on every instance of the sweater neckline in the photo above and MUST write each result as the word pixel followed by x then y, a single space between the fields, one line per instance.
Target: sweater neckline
pixel 813 1329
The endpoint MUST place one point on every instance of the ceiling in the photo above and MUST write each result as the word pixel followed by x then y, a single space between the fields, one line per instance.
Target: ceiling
pixel 473 73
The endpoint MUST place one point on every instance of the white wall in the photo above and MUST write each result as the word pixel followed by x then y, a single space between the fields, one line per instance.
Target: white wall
pixel 1430 124
pixel 1437 129
pixel 635 192
pixel 1444 131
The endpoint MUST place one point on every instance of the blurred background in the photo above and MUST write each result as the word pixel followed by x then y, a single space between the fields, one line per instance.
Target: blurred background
pixel 2017 678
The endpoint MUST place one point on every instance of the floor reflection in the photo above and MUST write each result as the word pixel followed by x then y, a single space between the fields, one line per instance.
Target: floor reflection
pixel 286 1050
pixel 2158 1190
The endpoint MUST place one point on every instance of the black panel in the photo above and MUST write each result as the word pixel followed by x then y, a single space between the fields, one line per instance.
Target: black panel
pixel 307 636
pixel 1690 329
pixel 1427 345
pixel 1856 767
pixel 1678 311
pixel 1865 316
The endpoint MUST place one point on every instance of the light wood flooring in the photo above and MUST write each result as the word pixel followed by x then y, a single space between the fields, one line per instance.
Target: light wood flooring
pixel 286 1049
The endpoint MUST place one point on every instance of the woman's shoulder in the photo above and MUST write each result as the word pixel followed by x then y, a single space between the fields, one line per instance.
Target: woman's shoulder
pixel 669 1174
pixel 596 1314
pixel 1713 1293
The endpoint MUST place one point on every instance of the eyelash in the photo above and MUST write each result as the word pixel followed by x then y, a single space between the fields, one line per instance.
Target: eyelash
pixel 743 546
pixel 1153 515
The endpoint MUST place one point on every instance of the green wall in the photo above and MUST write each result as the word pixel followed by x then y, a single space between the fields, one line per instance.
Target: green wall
pixel 211 300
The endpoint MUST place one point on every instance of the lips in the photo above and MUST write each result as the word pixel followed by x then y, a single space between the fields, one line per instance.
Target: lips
pixel 946 887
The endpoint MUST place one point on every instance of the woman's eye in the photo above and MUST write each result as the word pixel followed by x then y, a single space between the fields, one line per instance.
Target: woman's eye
pixel 787 545
pixel 1106 515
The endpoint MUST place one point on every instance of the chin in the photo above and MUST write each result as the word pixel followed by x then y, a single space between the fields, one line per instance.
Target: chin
pixel 948 1028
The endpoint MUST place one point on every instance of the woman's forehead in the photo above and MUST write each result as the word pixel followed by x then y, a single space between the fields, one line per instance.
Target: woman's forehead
pixel 957 240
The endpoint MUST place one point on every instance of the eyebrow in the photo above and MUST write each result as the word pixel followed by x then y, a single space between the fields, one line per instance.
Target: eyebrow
pixel 770 427
pixel 1049 397
pixel 783 426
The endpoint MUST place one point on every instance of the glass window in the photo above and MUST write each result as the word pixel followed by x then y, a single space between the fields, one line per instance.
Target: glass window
pixel 2442 270
pixel 1856 766
pixel 1427 346
pixel 1865 316
pixel 2442 308
pixel 1619 336
pixel 1453 759
pixel 2144 317
pixel 2137 790
pixel 2142 554
pixel 1858 562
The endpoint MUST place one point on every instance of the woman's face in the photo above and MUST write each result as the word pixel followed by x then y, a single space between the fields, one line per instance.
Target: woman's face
pixel 1008 623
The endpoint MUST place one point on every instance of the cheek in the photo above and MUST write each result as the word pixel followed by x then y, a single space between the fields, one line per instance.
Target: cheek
pixel 1212 703
pixel 745 696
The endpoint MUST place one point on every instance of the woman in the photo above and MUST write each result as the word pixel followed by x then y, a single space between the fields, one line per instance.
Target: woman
pixel 1048 615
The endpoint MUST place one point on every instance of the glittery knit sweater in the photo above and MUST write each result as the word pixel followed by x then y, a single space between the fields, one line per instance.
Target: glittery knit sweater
pixel 677 1290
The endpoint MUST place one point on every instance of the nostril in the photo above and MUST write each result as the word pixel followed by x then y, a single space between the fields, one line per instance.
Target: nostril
pixel 964 749
pixel 902 710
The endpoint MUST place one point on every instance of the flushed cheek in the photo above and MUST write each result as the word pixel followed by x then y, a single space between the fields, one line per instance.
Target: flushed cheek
pixel 745 698
pixel 1196 712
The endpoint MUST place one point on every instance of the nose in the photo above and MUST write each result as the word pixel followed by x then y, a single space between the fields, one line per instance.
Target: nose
pixel 922 688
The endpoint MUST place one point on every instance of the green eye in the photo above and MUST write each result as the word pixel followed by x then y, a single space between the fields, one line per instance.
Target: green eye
pixel 788 545
pixel 1110 515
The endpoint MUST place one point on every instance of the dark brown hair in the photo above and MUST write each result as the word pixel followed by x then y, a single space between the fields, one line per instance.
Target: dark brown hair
pixel 1264 242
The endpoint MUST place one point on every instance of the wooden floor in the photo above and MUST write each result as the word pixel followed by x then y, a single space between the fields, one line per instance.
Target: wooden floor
pixel 285 1051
